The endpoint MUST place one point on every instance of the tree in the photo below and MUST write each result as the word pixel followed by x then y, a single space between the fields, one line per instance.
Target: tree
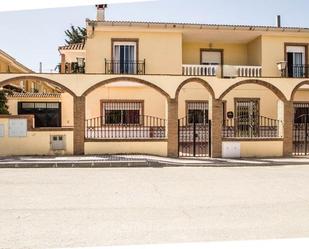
pixel 75 35
pixel 3 101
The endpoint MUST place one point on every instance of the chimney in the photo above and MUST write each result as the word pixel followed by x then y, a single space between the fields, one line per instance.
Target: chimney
pixel 279 21
pixel 101 12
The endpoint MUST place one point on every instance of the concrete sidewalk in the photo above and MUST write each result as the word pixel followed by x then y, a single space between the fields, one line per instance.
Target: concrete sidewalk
pixel 101 161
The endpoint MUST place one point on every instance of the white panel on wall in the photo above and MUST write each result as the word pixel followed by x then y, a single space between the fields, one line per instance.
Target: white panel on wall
pixel 231 149
pixel 18 127
pixel 1 130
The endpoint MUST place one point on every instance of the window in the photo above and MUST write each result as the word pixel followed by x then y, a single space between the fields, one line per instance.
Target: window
pixel 296 58
pixel 46 114
pixel 122 113
pixel 197 112
pixel 125 57
pixel 301 113
pixel 211 57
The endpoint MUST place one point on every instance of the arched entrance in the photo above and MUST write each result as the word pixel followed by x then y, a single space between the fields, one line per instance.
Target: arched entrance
pixel 194 97
pixel 253 120
pixel 300 98
pixel 126 115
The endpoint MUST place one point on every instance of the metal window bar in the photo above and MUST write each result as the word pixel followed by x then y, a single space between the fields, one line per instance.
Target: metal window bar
pixel 250 126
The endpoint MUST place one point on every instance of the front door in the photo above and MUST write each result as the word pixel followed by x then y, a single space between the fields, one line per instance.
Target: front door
pixel 194 131
pixel 247 117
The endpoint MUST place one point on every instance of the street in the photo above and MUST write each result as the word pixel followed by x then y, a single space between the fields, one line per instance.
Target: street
pixel 48 208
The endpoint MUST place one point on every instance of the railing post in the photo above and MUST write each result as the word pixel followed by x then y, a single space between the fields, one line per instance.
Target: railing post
pixel 172 127
pixel 216 131
pixel 79 125
pixel 288 128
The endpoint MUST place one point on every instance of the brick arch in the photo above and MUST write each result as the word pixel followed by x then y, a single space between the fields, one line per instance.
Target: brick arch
pixel 195 80
pixel 129 79
pixel 40 79
pixel 306 82
pixel 267 85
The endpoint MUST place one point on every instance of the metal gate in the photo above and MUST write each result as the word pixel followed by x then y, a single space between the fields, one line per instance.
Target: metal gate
pixel 194 138
pixel 301 135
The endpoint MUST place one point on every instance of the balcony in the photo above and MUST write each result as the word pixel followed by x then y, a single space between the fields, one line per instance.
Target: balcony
pixel 296 71
pixel 125 67
pixel 229 71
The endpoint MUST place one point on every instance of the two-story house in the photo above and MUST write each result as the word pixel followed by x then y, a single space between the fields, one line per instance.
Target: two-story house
pixel 182 89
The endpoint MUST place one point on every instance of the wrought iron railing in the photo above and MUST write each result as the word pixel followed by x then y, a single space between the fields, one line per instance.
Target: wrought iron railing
pixel 301 135
pixel 297 71
pixel 251 127
pixel 138 127
pixel 125 67
pixel 74 68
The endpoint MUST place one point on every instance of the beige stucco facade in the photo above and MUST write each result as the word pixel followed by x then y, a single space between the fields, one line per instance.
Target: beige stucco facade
pixel 164 88
pixel 36 142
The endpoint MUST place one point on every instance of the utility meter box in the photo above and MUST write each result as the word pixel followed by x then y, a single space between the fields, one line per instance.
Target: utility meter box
pixel 57 142
pixel 231 149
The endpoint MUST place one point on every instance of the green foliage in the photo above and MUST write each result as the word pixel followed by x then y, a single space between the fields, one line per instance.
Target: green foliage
pixel 75 35
pixel 3 101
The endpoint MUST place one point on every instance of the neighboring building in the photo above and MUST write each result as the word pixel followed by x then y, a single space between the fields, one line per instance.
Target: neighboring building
pixel 187 89
pixel 25 94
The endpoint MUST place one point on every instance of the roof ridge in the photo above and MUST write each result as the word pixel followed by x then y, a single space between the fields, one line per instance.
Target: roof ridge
pixel 198 24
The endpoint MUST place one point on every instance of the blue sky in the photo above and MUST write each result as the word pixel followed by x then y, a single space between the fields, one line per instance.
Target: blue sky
pixel 34 36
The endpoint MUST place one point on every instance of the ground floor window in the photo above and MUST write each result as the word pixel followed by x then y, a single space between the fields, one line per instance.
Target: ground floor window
pixel 122 113
pixel 301 112
pixel 46 114
pixel 197 112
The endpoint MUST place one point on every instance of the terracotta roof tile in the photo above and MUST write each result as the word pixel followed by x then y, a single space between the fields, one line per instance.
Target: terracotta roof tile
pixel 75 46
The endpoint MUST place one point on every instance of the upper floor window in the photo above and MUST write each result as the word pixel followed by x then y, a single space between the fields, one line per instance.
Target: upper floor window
pixel 211 56
pixel 296 60
pixel 124 57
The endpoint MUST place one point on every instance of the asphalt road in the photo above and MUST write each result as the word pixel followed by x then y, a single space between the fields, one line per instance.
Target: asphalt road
pixel 48 208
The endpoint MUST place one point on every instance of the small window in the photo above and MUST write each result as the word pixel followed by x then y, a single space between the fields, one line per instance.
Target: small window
pixel 301 113
pixel 27 105
pixel 211 57
pixel 53 105
pixel 197 112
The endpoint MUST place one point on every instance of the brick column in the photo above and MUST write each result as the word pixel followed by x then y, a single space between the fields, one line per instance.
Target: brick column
pixel 62 65
pixel 288 128
pixel 216 131
pixel 79 125
pixel 172 128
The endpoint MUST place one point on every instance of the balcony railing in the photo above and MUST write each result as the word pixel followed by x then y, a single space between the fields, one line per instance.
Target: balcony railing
pixel 139 127
pixel 228 70
pixel 297 71
pixel 74 68
pixel 199 70
pixel 251 127
pixel 125 67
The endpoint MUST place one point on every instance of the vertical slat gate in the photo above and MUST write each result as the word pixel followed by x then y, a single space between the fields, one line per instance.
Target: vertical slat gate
pixel 301 129
pixel 194 137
